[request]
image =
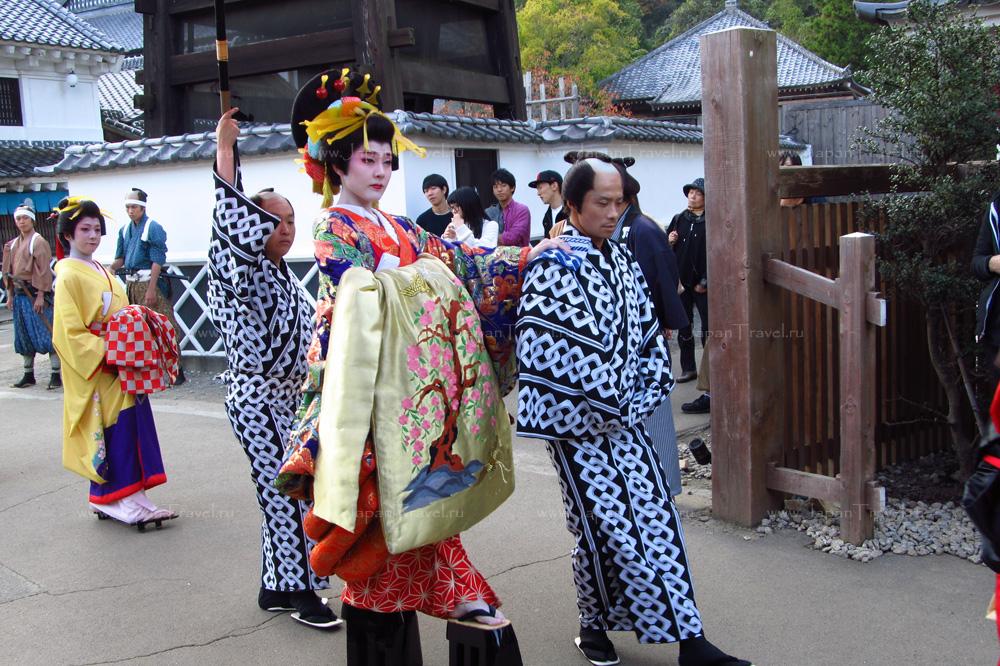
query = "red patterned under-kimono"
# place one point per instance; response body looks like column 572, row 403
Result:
column 436, row 578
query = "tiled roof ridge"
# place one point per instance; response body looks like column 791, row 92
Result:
column 64, row 16
column 276, row 138
column 670, row 43
column 77, row 6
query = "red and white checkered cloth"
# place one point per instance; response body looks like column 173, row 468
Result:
column 143, row 345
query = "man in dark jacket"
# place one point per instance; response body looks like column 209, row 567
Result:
column 686, row 233
column 986, row 266
column 648, row 243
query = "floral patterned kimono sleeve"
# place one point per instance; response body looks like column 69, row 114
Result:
column 493, row 278
column 338, row 247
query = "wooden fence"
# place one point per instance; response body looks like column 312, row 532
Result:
column 560, row 104
column 905, row 381
column 832, row 127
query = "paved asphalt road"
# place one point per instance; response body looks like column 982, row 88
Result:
column 77, row 591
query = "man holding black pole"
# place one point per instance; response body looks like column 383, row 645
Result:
column 142, row 251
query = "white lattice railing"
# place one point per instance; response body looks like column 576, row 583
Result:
column 197, row 335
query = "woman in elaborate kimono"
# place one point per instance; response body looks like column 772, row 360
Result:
column 263, row 316
column 108, row 435
column 593, row 367
column 350, row 147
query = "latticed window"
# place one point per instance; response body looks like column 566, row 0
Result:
column 10, row 102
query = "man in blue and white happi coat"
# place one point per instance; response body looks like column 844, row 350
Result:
column 593, row 365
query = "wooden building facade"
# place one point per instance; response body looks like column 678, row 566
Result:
column 418, row 50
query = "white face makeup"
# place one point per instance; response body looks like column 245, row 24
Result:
column 86, row 238
column 368, row 175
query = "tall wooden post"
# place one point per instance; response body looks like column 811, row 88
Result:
column 857, row 385
column 740, row 109
column 373, row 19
column 158, row 95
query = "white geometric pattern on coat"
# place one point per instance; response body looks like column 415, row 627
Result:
column 261, row 410
column 259, row 308
column 263, row 317
column 588, row 345
column 629, row 563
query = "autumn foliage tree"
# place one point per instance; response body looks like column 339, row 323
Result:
column 588, row 39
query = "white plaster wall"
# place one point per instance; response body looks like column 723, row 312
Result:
column 440, row 159
column 181, row 196
column 661, row 168
column 52, row 111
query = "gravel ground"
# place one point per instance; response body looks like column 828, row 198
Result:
column 923, row 514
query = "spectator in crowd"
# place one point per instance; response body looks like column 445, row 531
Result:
column 548, row 183
column 436, row 218
column 986, row 266
column 468, row 225
column 513, row 218
column 791, row 159
column 686, row 233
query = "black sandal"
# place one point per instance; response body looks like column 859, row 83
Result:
column 469, row 619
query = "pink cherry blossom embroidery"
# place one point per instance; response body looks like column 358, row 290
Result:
column 425, row 320
column 423, row 410
column 407, row 403
column 429, row 306
column 479, row 413
column 422, row 373
column 416, row 460
column 418, row 445
column 475, row 428
column 404, row 419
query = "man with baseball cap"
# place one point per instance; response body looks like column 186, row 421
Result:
column 28, row 279
column 548, row 183
column 142, row 251
column 686, row 233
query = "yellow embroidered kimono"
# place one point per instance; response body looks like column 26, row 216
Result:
column 409, row 344
column 107, row 437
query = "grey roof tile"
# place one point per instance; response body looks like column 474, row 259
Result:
column 670, row 75
column 267, row 138
column 124, row 27
column 117, row 91
column 18, row 159
column 46, row 23
column 886, row 12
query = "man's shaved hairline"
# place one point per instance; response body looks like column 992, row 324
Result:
column 262, row 198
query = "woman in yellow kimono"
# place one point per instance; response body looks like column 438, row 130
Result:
column 108, row 436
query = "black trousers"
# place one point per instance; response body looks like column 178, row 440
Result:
column 986, row 368
column 685, row 337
